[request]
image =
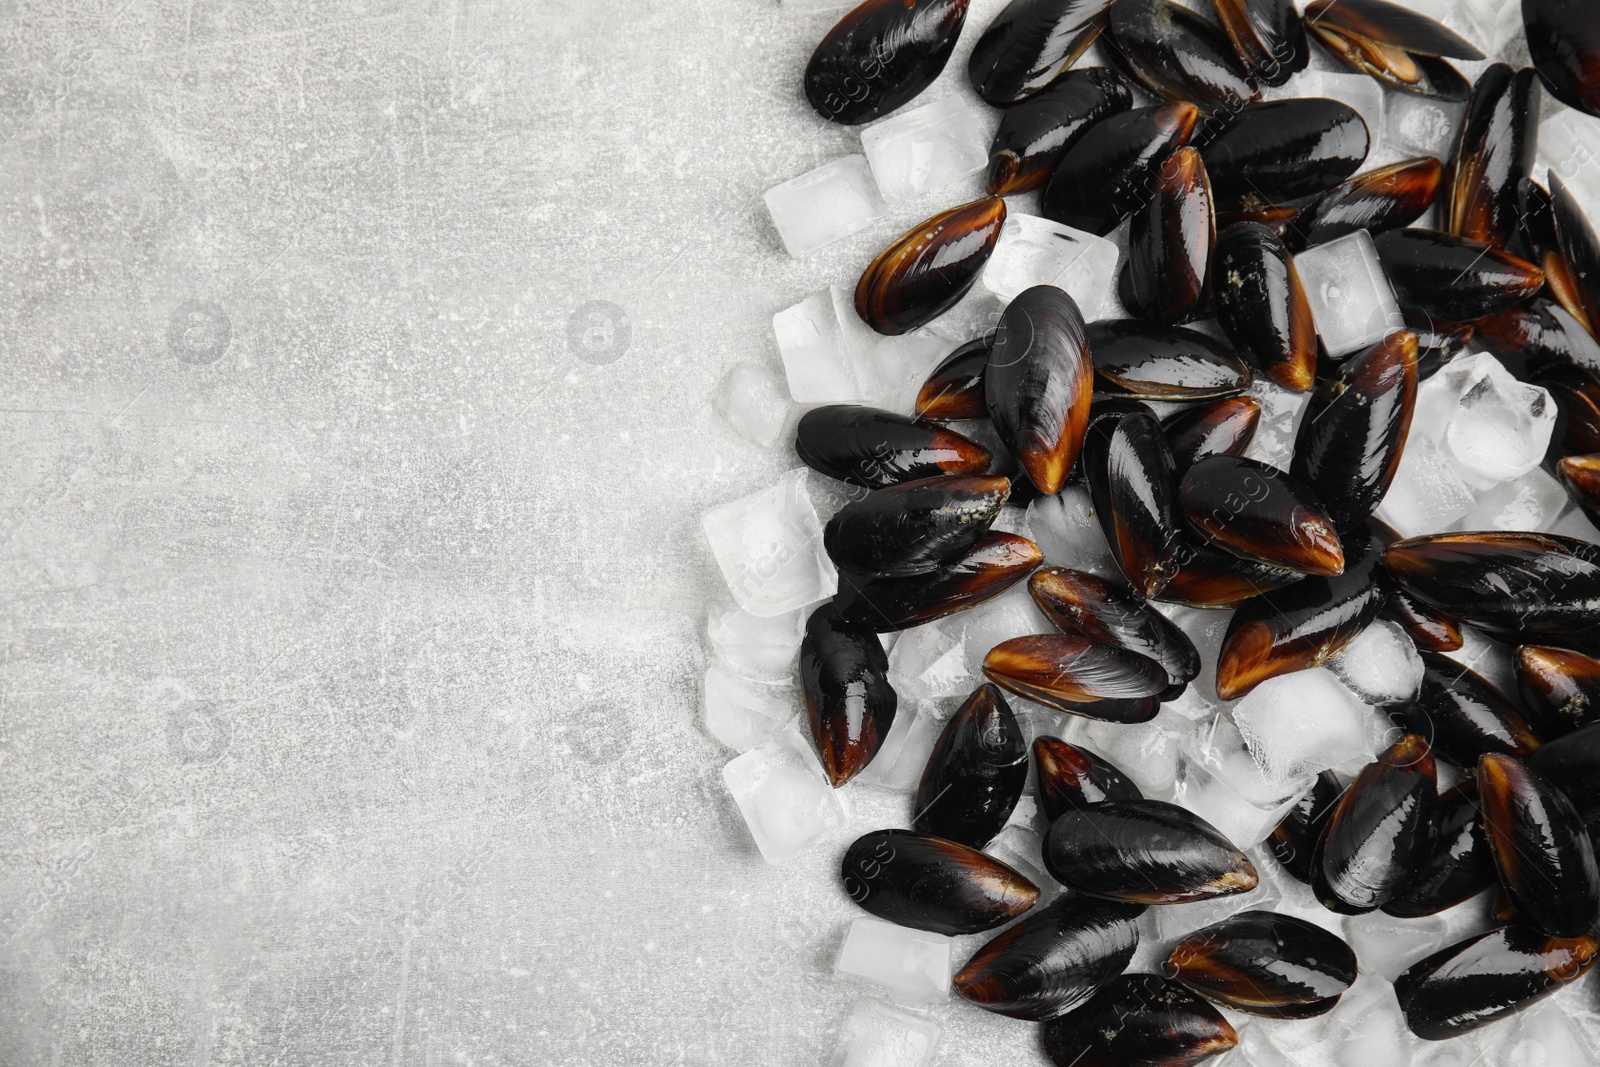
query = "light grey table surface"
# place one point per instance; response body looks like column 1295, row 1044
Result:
column 349, row 695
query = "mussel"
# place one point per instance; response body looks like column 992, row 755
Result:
column 1579, row 248
column 1437, row 342
column 1282, row 150
column 1381, row 199
column 1261, row 304
column 1106, row 173
column 1268, row 36
column 1456, row 279
column 844, row 676
column 1488, row 977
column 1070, row 777
column 1541, row 850
column 1264, row 963
column 1544, row 248
column 914, row 527
column 1560, row 688
column 1380, row 833
column 881, row 55
column 1039, row 383
column 1581, row 476
column 1429, row 629
column 991, row 566
column 1030, row 44
column 975, row 773
column 1140, row 360
column 1493, row 154
column 1139, row 1019
column 1572, row 763
column 928, row 269
column 1131, row 477
column 1035, row 134
column 1221, row 428
column 1293, row 839
column 1207, row 577
column 1541, row 336
column 928, row 883
column 1053, row 960
column 1258, row 512
column 954, row 389
column 1169, row 242
column 874, row 448
column 1403, row 49
column 1179, row 54
column 1145, row 852
column 1082, row 603
column 1564, row 43
column 1079, row 676
column 1459, row 867
column 1462, row 716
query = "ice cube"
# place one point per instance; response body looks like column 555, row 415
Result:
column 1529, row 503
column 1301, row 724
column 879, row 1035
column 1069, row 534
column 1359, row 91
column 1422, row 125
column 1371, row 1030
column 975, row 316
column 1569, row 146
column 1381, row 665
column 1576, row 524
column 1281, row 414
column 769, row 547
column 753, row 646
column 1206, row 628
column 1034, row 251
column 1501, row 426
column 741, row 712
column 1464, row 1051
column 913, row 965
column 1241, row 819
column 927, row 147
column 816, row 357
column 1542, row 1036
column 893, row 369
column 903, row 756
column 930, row 661
column 1148, row 752
column 1257, row 1049
column 754, row 402
column 1427, row 494
column 824, row 205
column 1350, row 296
column 784, row 798
column 1495, row 26
column 1011, row 614
column 1388, row 945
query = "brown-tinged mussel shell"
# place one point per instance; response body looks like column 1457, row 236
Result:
column 914, row 527
column 1488, row 977
column 1039, row 383
column 1380, row 833
column 1572, row 763
column 1519, row 585
column 1462, row 715
column 1261, row 304
column 1221, row 428
column 1541, row 850
column 1035, row 134
column 928, row 269
column 1069, row 777
column 1029, row 44
column 844, row 677
column 1084, row 604
column 1179, row 55
column 1139, row 360
column 1453, row 278
column 1493, row 154
column 1268, row 36
column 1579, row 247
column 1437, row 342
column 928, row 883
column 1544, row 247
column 873, row 448
column 1559, row 687
column 1302, row 625
column 1381, row 199
column 1401, row 48
column 1053, row 960
column 1581, row 477
column 1145, row 852
column 1564, row 44
column 1283, row 150
column 954, row 389
column 880, row 55
column 1460, row 865
column 1430, row 630
column 1169, row 243
column 996, row 563
column 1139, row 1020
column 1133, row 483
column 1293, row 840
column 1258, row 512
column 1106, row 174
column 1545, row 340
column 1079, row 676
column 1354, row 431
column 975, row 773
column 1264, row 963
column 1208, row 577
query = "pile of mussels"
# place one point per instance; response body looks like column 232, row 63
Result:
column 1296, row 552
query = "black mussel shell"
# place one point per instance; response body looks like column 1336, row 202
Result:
column 1381, row 199
column 1131, row 478
column 1262, row 962
column 1029, row 44
column 1544, row 248
column 844, row 676
column 1221, row 428
column 1541, row 850
column 1085, row 604
column 1488, row 977
column 1145, row 852
column 1283, row 150
column 1039, row 383
column 1512, row 584
column 1139, row 1020
column 1394, row 25
column 975, row 774
column 1076, row 675
column 1454, row 278
column 1579, row 248
column 1430, row 630
column 1572, row 763
column 1053, row 960
column 1179, row 54
column 1293, row 839
column 1437, row 342
column 1493, row 154
column 1258, row 512
column 1577, row 399
column 1262, row 306
column 929, row 268
column 1399, row 47
column 1543, row 337
column 874, row 448
column 1070, row 777
column 1560, row 689
column 954, row 390
column 1106, row 174
column 1277, row 218
column 1140, row 360
column 1208, row 577
column 1380, row 833
column 1459, row 867
column 914, row 527
column 1564, row 43
column 996, row 563
column 928, row 883
column 1302, row 625
column 1036, row 133
column 880, row 56
column 1169, row 243
column 1463, row 716
column 1267, row 35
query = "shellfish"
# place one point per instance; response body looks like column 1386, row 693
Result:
column 1039, row 382
column 1564, row 43
column 1380, row 833
column 928, row 269
column 1260, row 513
column 873, row 448
column 1132, row 480
column 1070, row 777
column 1081, row 603
column 1262, row 306
column 994, row 564
column 1179, row 54
column 1078, row 676
column 1264, row 963
column 1293, row 839
column 1035, row 134
column 1030, row 44
column 1138, row 360
column 928, row 883
column 844, row 677
column 1462, row 716
column 954, row 389
column 1454, row 278
column 1145, row 852
column 1277, row 152
column 1169, row 242
column 1221, row 428
column 1139, row 1019
column 1560, row 688
column 1488, row 977
column 1399, row 47
column 1493, row 154
column 975, row 773
column 1459, row 867
column 914, row 527
column 1544, row 857
column 1381, row 199
column 1105, row 174
column 881, row 55
column 1053, row 960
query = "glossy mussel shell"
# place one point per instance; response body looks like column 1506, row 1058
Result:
column 1070, row 777
column 1577, row 280
column 1261, row 305
column 1145, row 852
column 1397, row 46
column 1169, row 242
column 1082, row 603
column 1283, row 150
column 914, row 527
column 1053, row 960
column 1541, row 850
column 1207, row 577
column 1453, row 278
column 975, row 773
column 844, row 677
column 928, row 883
column 954, row 388
column 1493, row 154
column 880, row 55
column 1142, row 360
column 1564, row 43
column 1132, row 480
column 1265, row 964
column 929, row 268
column 1179, row 54
column 1380, row 199
column 1267, row 35
column 997, row 562
column 1030, row 44
column 1221, row 428
column 1039, row 382
column 1139, row 1019
column 1543, row 244
column 1429, row 629
column 1079, row 676
column 1381, row 831
column 1462, row 716
column 1488, row 977
column 874, row 448
column 1572, row 763
column 1034, row 134
column 1260, row 513
column 1106, row 173
column 1581, row 477
column 1560, row 688
column 1293, row 839
column 1459, row 867
column 1552, row 346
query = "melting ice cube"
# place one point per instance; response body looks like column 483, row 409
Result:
column 742, row 713
column 878, row 1035
column 1034, row 251
column 914, row 965
column 784, row 798
column 754, row 402
column 1351, row 299
column 1381, row 666
column 1302, row 723
column 769, row 547
column 752, row 646
column 926, row 148
column 824, row 205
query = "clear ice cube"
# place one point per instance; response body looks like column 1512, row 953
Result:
column 753, row 401
column 1533, row 502
column 903, row 756
column 1381, row 666
column 880, row 1035
column 930, row 661
column 1351, row 299
column 1371, row 1031
column 1242, row 820
column 784, row 798
column 1148, row 753
column 1427, row 494
column 1069, row 534
column 976, row 315
column 1035, row 251
column 825, row 205
column 753, row 646
column 1422, row 125
column 1302, row 724
column 1501, row 426
column 894, row 368
column 743, row 713
column 1281, row 413
column 913, row 965
column 1542, row 1036
column 1388, row 945
column 817, row 360
column 769, row 547
column 926, row 148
